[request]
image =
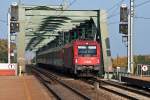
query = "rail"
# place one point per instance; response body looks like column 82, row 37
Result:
column 121, row 89
column 51, row 76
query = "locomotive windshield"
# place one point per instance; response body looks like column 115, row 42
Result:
column 87, row 50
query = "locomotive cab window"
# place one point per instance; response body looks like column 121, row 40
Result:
column 92, row 50
column 87, row 50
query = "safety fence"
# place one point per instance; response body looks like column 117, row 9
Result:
column 142, row 70
column 118, row 72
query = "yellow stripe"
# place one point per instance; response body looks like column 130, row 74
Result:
column 27, row 91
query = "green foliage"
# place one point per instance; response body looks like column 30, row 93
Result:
column 3, row 51
column 139, row 59
column 120, row 61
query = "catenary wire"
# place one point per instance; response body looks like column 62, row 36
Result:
column 143, row 3
column 139, row 17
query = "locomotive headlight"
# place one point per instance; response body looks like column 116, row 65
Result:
column 76, row 60
column 98, row 61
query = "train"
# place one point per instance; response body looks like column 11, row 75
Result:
column 80, row 57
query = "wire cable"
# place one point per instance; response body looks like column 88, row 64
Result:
column 115, row 5
column 111, row 23
column 142, row 17
column 71, row 3
column 3, row 21
column 113, row 14
column 143, row 3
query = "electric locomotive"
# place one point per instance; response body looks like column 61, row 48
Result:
column 80, row 57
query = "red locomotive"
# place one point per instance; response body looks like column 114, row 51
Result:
column 81, row 57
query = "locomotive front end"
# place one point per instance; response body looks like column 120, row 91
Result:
column 87, row 58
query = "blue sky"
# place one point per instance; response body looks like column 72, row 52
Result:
column 141, row 26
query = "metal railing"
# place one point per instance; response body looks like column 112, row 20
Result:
column 118, row 72
column 142, row 70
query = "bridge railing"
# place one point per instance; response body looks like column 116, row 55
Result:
column 118, row 72
column 142, row 70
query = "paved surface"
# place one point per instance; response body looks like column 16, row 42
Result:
column 141, row 78
column 22, row 88
column 138, row 81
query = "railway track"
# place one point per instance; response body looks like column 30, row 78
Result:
column 69, row 89
column 60, row 89
column 121, row 90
